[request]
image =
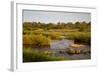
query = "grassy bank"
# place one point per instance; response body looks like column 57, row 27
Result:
column 30, row 55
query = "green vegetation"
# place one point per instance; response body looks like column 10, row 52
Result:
column 30, row 55
column 80, row 32
column 36, row 40
column 80, row 37
column 40, row 35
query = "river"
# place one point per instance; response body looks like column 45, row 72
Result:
column 59, row 46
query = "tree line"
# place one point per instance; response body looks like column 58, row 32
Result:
column 60, row 25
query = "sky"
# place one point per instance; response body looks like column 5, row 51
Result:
column 54, row 17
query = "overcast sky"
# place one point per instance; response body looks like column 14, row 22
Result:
column 54, row 17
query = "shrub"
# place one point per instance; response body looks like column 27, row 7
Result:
column 80, row 37
column 55, row 36
column 83, row 38
column 27, row 39
column 36, row 40
column 40, row 40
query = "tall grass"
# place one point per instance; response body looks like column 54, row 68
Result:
column 80, row 37
column 30, row 55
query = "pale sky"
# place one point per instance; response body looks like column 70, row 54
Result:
column 54, row 17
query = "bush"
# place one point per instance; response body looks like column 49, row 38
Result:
column 27, row 39
column 36, row 40
column 55, row 36
column 80, row 37
column 83, row 38
column 40, row 40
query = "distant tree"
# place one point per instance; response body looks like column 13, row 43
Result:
column 27, row 25
column 58, row 23
column 77, row 23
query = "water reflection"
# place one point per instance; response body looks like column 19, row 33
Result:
column 65, row 49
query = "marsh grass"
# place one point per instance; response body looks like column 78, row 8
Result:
column 40, row 35
column 30, row 55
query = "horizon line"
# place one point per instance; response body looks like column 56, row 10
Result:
column 57, row 22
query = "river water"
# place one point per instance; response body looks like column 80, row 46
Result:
column 61, row 45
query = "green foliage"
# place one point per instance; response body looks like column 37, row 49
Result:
column 40, row 34
column 36, row 40
column 55, row 36
column 27, row 39
column 40, row 40
column 30, row 55
column 47, row 26
column 80, row 37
